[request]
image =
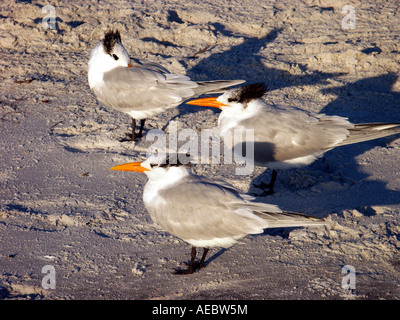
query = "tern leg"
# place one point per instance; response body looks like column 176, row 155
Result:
column 140, row 134
column 203, row 258
column 142, row 121
column 270, row 185
column 133, row 137
column 272, row 182
column 190, row 270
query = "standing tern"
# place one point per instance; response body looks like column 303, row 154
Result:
column 285, row 137
column 203, row 212
column 140, row 88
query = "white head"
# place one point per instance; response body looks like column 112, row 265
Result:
column 234, row 100
column 108, row 54
column 158, row 167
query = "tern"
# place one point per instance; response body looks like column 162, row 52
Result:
column 286, row 137
column 204, row 212
column 140, row 88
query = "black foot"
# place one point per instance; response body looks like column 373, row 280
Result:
column 267, row 189
column 196, row 267
column 192, row 264
column 267, row 193
column 134, row 136
column 183, row 271
column 128, row 137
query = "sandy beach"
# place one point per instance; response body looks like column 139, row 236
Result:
column 61, row 205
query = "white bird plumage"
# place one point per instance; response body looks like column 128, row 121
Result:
column 140, row 88
column 286, row 137
column 205, row 212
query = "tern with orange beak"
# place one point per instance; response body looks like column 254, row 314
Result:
column 285, row 137
column 140, row 88
column 204, row 212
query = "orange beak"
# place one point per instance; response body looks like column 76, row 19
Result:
column 207, row 102
column 129, row 66
column 132, row 166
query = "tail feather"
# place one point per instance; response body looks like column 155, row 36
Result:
column 290, row 219
column 370, row 131
column 216, row 86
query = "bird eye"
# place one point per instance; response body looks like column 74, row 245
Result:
column 232, row 100
column 115, row 57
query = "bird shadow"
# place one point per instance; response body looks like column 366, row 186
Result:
column 358, row 101
column 244, row 61
column 275, row 232
column 215, row 255
column 363, row 101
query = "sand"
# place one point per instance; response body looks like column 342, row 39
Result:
column 61, row 206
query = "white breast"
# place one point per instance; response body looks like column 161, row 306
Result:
column 159, row 179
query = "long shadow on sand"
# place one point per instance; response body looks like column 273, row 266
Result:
column 243, row 61
column 358, row 101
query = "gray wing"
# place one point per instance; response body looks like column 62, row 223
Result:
column 140, row 63
column 369, row 131
column 211, row 87
column 197, row 210
column 285, row 134
column 215, row 86
column 201, row 209
column 148, row 85
column 143, row 87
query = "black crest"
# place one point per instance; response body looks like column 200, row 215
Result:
column 111, row 38
column 174, row 160
column 251, row 92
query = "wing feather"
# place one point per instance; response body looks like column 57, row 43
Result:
column 143, row 88
column 284, row 134
column 199, row 210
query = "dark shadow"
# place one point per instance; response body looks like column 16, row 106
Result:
column 263, row 151
column 371, row 50
column 70, row 149
column 57, row 28
column 215, row 256
column 47, row 78
column 364, row 101
column 101, row 234
column 207, row 261
column 40, row 20
column 279, row 232
column 24, row 209
column 75, row 24
column 243, row 61
column 275, row 232
column 21, row 208
column 359, row 100
column 6, row 294
column 163, row 43
column 174, row 17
